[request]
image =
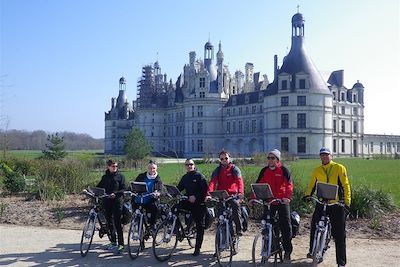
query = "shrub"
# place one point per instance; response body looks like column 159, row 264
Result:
column 14, row 183
column 368, row 202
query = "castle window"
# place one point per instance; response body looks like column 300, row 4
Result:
column 301, row 120
column 372, row 147
column 343, row 96
column 200, row 145
column 247, row 110
column 240, row 126
column 228, row 112
column 302, row 84
column 355, row 127
column 202, row 82
column 355, row 111
column 354, row 98
column 343, row 126
column 192, row 145
column 343, row 110
column 246, row 99
column 261, row 109
column 285, row 144
column 192, row 127
column 192, row 111
column 253, row 126
column 199, row 128
column 246, row 126
column 334, row 126
column 260, row 126
column 301, row 100
column 343, row 146
column 389, row 148
column 284, row 101
column 381, row 147
column 284, row 121
column 234, row 101
column 202, row 94
column 301, row 145
column 253, row 109
column 334, row 109
column 334, row 95
column 228, row 127
column 240, row 111
column 200, row 111
column 234, row 111
column 234, row 127
column 284, row 85
column 334, row 145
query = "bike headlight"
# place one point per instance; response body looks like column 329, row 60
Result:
column 263, row 222
column 321, row 223
column 221, row 217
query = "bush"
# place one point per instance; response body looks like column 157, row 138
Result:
column 367, row 202
column 14, row 183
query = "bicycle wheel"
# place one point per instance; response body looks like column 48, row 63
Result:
column 223, row 246
column 318, row 248
column 87, row 235
column 191, row 234
column 164, row 241
column 135, row 238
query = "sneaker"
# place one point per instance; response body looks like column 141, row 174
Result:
column 239, row 233
column 309, row 255
column 120, row 248
column 341, row 265
column 286, row 258
column 215, row 255
column 111, row 246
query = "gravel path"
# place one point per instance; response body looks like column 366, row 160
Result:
column 40, row 246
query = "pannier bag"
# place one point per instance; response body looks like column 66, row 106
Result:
column 126, row 213
column 209, row 218
column 295, row 220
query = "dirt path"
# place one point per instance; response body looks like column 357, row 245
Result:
column 39, row 246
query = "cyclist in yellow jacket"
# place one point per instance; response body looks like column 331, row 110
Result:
column 332, row 173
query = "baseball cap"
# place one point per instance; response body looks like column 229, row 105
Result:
column 325, row 150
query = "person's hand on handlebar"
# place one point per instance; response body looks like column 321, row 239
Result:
column 286, row 201
column 251, row 202
column 207, row 198
column 307, row 198
column 112, row 195
column 156, row 194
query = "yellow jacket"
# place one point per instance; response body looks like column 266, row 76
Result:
column 332, row 173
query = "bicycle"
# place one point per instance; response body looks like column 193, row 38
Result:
column 267, row 243
column 171, row 229
column 139, row 229
column 95, row 215
column 322, row 236
column 225, row 239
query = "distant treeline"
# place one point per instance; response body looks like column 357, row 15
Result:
column 37, row 140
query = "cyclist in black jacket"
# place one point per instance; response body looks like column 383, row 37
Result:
column 114, row 184
column 195, row 186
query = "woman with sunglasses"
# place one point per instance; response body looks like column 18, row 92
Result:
column 195, row 186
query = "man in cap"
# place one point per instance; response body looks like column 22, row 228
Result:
column 332, row 173
column 280, row 180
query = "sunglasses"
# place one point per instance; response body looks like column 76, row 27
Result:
column 114, row 166
column 271, row 158
column 226, row 158
column 189, row 164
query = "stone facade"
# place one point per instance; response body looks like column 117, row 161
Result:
column 208, row 109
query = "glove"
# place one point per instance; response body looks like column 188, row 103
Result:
column 306, row 199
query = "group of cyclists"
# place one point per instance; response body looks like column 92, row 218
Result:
column 227, row 176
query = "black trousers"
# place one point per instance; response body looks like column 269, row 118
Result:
column 112, row 213
column 150, row 208
column 284, row 224
column 337, row 216
column 198, row 212
column 236, row 213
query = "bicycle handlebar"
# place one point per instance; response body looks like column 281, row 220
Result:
column 91, row 194
column 234, row 196
column 325, row 202
column 264, row 202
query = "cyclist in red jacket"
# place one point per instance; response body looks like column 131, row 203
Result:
column 228, row 177
column 280, row 180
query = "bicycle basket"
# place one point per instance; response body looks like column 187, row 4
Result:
column 327, row 191
column 262, row 191
column 172, row 190
column 139, row 187
column 219, row 194
column 97, row 191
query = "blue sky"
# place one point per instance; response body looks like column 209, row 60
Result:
column 60, row 61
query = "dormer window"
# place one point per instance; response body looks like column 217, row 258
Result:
column 202, row 82
column 302, row 84
column 334, row 95
column 343, row 96
column 234, row 101
column 284, row 85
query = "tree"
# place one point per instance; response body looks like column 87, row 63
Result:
column 56, row 149
column 136, row 145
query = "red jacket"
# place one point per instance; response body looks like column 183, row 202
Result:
column 280, row 181
column 229, row 179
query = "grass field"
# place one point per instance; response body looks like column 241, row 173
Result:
column 33, row 154
column 379, row 174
